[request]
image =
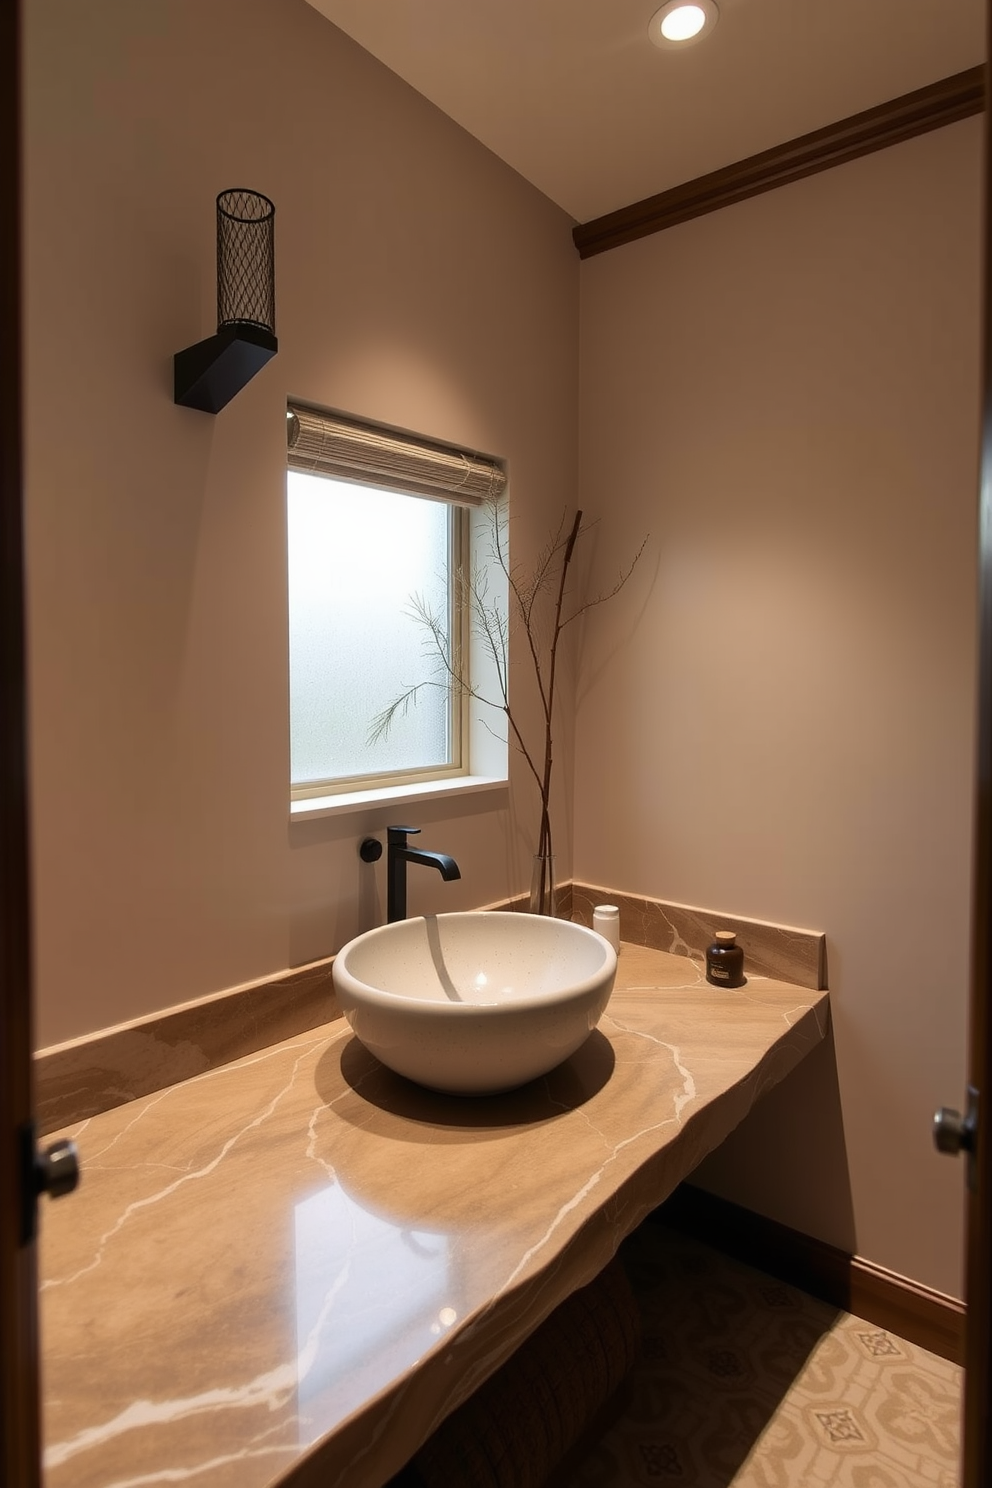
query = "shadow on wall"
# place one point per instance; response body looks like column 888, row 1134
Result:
column 794, row 1134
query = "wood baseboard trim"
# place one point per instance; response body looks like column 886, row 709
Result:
column 912, row 1311
column 907, row 1308
column 944, row 102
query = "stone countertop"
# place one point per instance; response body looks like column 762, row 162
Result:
column 291, row 1268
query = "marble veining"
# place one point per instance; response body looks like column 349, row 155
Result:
column 291, row 1267
column 115, row 1065
column 783, row 951
column 91, row 1074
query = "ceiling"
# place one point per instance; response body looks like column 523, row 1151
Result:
column 577, row 100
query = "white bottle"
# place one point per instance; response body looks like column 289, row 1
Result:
column 606, row 922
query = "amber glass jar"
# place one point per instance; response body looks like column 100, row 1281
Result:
column 725, row 960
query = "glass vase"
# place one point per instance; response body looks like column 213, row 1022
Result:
column 544, row 886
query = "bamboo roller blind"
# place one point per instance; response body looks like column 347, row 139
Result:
column 368, row 455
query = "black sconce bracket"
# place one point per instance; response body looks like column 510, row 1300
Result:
column 209, row 374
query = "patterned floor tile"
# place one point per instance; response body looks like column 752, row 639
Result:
column 744, row 1382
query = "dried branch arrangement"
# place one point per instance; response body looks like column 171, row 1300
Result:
column 541, row 608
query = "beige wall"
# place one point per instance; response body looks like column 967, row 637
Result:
column 777, row 718
column 420, row 282
column 774, row 718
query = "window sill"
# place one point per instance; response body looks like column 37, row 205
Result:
column 393, row 795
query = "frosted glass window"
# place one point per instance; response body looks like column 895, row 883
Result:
column 357, row 556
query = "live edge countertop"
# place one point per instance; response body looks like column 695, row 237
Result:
column 291, row 1268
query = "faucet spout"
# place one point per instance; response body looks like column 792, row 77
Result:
column 447, row 867
column 399, row 853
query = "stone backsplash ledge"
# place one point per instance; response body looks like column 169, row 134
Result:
column 79, row 1079
column 780, row 951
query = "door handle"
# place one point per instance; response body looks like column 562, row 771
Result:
column 954, row 1133
column 57, row 1169
column 54, row 1171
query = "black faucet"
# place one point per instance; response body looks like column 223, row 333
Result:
column 398, row 854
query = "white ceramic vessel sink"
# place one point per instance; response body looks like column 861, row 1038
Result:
column 475, row 1003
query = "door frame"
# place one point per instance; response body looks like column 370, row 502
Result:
column 20, row 1449
column 977, row 1446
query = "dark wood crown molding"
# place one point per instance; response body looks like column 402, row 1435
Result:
column 940, row 103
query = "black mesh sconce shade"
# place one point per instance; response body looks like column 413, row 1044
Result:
column 209, row 374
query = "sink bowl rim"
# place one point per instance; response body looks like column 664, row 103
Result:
column 573, row 990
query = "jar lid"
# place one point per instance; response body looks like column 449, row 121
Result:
column 726, row 935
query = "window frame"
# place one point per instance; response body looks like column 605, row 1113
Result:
column 479, row 742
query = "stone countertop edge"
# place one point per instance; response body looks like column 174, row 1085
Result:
column 114, row 1065
column 291, row 1268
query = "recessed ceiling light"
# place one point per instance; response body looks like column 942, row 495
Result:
column 681, row 22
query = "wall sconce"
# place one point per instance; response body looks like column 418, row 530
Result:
column 209, row 374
